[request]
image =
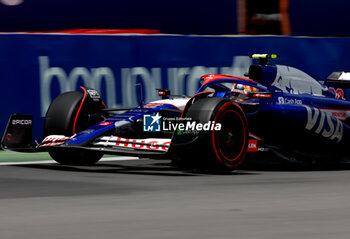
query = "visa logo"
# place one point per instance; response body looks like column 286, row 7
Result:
column 324, row 124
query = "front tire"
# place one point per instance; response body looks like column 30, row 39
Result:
column 75, row 157
column 61, row 119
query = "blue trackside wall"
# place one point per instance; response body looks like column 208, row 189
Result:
column 36, row 68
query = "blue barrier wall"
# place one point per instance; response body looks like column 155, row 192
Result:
column 36, row 68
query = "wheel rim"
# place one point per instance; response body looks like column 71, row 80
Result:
column 230, row 141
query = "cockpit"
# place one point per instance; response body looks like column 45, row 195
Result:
column 230, row 88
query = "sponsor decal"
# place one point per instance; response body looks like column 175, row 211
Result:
column 341, row 114
column 288, row 101
column 338, row 115
column 253, row 145
column 52, row 140
column 339, row 93
column 157, row 144
column 324, row 124
column 93, row 95
column 21, row 122
column 182, row 80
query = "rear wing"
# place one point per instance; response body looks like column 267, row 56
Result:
column 341, row 77
column 339, row 82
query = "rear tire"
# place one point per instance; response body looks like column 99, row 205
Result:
column 217, row 150
column 59, row 120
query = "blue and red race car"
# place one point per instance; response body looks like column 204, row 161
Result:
column 277, row 108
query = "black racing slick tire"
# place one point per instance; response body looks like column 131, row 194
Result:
column 218, row 150
column 61, row 114
column 61, row 119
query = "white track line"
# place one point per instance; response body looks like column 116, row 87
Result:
column 52, row 161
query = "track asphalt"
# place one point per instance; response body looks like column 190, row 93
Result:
column 15, row 158
column 152, row 199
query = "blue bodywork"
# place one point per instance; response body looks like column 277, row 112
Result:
column 302, row 118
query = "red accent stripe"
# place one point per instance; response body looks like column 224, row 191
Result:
column 215, row 139
column 100, row 31
column 81, row 104
column 213, row 77
column 334, row 109
column 173, row 106
column 103, row 103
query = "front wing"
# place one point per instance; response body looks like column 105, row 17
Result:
column 18, row 137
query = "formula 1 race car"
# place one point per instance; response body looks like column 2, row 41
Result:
column 278, row 109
